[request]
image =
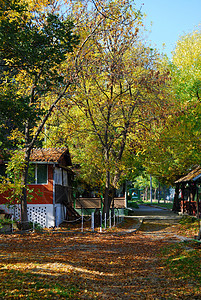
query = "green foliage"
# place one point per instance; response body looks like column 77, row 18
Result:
column 175, row 148
column 37, row 227
column 133, row 204
column 4, row 222
column 32, row 48
column 39, row 40
column 142, row 181
column 11, row 184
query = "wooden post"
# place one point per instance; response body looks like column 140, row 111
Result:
column 197, row 202
column 182, row 196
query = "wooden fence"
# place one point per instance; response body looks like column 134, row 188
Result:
column 119, row 202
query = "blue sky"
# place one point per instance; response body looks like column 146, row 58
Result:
column 170, row 20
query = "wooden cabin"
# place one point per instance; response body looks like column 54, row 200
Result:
column 50, row 179
column 188, row 193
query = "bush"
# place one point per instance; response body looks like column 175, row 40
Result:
column 133, row 205
column 4, row 222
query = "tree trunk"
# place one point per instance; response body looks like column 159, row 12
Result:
column 155, row 193
column 159, row 192
column 24, row 215
column 107, row 195
column 176, row 203
column 146, row 193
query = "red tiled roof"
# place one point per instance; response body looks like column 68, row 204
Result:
column 55, row 155
column 49, row 154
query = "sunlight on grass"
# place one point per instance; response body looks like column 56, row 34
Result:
column 183, row 260
column 21, row 284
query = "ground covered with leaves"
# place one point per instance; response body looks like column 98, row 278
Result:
column 115, row 264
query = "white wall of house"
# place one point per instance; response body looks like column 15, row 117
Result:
column 42, row 214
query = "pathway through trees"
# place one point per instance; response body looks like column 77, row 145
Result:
column 109, row 265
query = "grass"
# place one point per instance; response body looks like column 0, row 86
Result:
column 167, row 205
column 183, row 260
column 16, row 284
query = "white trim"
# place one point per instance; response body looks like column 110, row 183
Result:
column 41, row 162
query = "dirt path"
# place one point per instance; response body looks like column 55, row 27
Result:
column 108, row 265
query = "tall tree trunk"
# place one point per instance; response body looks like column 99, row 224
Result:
column 23, row 198
column 146, row 193
column 155, row 193
column 107, row 195
column 176, row 203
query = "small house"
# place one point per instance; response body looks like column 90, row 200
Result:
column 50, row 182
column 188, row 193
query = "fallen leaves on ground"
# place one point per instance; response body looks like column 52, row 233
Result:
column 69, row 264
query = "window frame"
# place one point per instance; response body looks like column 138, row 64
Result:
column 36, row 174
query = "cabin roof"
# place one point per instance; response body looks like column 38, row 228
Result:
column 50, row 155
column 194, row 175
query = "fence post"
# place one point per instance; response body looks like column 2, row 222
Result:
column 82, row 222
column 100, row 221
column 33, row 226
column 92, row 221
column 110, row 218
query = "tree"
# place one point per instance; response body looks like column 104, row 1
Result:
column 175, row 149
column 33, row 45
column 35, row 41
column 120, row 94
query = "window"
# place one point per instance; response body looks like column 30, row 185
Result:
column 58, row 176
column 61, row 177
column 41, row 174
column 38, row 174
column 65, row 178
